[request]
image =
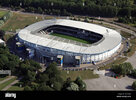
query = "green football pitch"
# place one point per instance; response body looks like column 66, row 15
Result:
column 71, row 38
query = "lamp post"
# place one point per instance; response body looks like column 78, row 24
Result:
column 83, row 4
column 52, row 6
column 116, row 8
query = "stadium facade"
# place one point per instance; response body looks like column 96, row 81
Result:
column 105, row 41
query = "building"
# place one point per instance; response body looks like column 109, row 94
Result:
column 105, row 41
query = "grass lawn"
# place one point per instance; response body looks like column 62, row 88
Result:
column 86, row 74
column 2, row 13
column 15, row 88
column 132, row 47
column 3, row 85
column 125, row 34
column 19, row 21
column 3, row 78
column 71, row 38
column 132, row 41
column 117, row 61
column 8, row 36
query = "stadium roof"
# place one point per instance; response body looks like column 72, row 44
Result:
column 111, row 37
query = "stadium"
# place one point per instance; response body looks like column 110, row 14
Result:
column 69, row 42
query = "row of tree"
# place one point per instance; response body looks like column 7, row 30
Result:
column 125, row 69
column 50, row 80
column 127, row 20
column 104, row 8
column 2, row 33
column 12, row 62
column 35, row 80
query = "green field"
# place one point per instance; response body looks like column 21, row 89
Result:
column 15, row 88
column 71, row 38
column 3, row 78
column 2, row 13
column 117, row 61
column 19, row 21
column 86, row 74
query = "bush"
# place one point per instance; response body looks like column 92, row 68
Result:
column 122, row 69
column 44, row 87
column 27, row 88
column 80, row 83
column 73, row 87
column 134, row 85
column 133, row 73
column 77, row 85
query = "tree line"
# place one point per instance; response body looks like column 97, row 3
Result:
column 103, row 8
column 32, row 79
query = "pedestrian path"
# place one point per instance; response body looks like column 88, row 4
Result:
column 9, row 78
column 11, row 84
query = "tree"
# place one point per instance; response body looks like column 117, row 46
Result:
column 125, row 12
column 3, row 61
column 39, row 10
column 2, row 33
column 27, row 88
column 43, row 78
column 44, row 87
column 134, row 85
column 80, row 83
column 133, row 73
column 34, row 64
column 57, row 86
column 72, row 87
column 34, row 86
column 30, row 76
column 52, row 70
column 66, row 84
column 128, row 67
column 122, row 69
column 23, row 68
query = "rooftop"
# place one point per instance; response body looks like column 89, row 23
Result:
column 111, row 37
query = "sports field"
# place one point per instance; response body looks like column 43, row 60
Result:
column 71, row 38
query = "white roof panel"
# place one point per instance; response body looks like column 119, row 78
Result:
column 112, row 37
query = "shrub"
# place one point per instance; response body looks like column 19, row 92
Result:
column 73, row 87
column 133, row 73
column 122, row 69
column 80, row 83
column 134, row 85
